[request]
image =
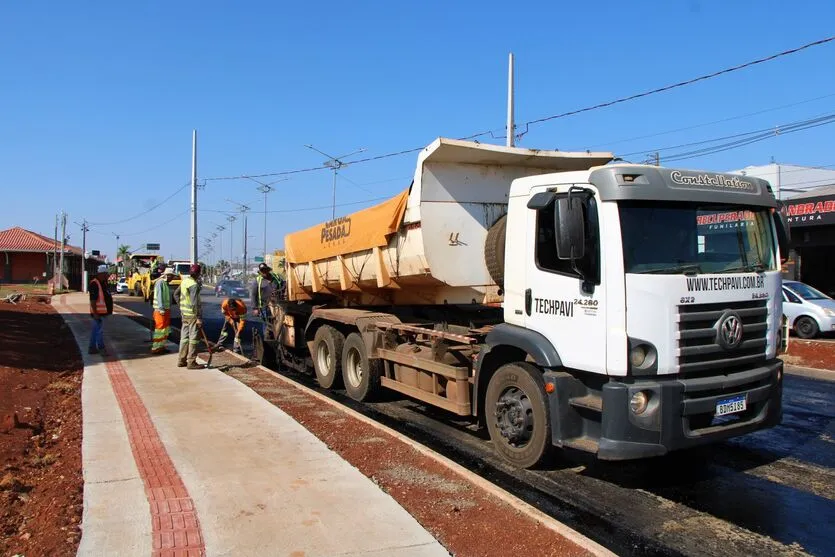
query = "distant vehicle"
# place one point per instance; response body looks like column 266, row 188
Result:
column 181, row 269
column 122, row 286
column 808, row 310
column 233, row 288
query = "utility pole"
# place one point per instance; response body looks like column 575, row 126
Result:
column 657, row 159
column 335, row 163
column 243, row 209
column 84, row 230
column 511, row 128
column 231, row 219
column 265, row 189
column 219, row 232
column 193, row 197
column 55, row 251
column 63, row 247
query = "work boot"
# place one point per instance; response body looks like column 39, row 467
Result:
column 194, row 365
column 181, row 363
column 92, row 350
column 161, row 351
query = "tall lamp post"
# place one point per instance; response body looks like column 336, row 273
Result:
column 265, row 189
column 335, row 163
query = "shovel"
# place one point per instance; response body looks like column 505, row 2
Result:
column 208, row 346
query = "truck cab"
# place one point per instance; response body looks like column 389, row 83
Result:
column 659, row 289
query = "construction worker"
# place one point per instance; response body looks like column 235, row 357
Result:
column 162, row 312
column 101, row 305
column 187, row 297
column 261, row 290
column 234, row 314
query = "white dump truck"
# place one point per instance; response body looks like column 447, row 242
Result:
column 563, row 300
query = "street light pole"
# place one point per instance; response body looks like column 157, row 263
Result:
column 265, row 189
column 243, row 209
column 335, row 163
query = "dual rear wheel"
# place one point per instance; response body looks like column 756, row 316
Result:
column 339, row 360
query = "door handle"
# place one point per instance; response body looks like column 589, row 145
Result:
column 528, row 301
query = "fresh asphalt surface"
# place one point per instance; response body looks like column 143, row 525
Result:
column 766, row 493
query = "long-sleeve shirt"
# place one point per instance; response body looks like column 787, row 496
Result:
column 194, row 296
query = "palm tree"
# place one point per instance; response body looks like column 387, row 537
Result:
column 123, row 253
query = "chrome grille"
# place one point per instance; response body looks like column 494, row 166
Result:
column 698, row 347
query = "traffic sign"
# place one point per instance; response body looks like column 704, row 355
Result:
column 259, row 259
column 152, row 247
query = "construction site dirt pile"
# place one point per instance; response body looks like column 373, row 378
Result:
column 40, row 432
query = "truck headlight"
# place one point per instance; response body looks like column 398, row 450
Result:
column 639, row 402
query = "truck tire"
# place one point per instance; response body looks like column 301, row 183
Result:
column 518, row 416
column 806, row 327
column 327, row 356
column 360, row 375
column 494, row 248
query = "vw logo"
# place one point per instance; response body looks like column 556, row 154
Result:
column 729, row 330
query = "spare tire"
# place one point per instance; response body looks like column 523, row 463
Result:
column 494, row 248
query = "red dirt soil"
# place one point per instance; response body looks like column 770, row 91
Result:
column 40, row 432
column 461, row 515
column 811, row 353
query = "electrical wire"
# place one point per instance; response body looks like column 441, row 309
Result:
column 143, row 212
column 714, row 122
column 563, row 114
column 160, row 225
column 740, row 139
column 300, row 209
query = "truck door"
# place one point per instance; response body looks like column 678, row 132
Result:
column 557, row 304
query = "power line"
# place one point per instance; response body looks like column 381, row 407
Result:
column 705, row 124
column 684, row 83
column 748, row 141
column 303, row 208
column 143, row 212
column 160, row 225
column 564, row 114
column 740, row 139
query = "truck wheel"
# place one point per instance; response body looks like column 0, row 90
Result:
column 327, row 354
column 137, row 290
column 130, row 292
column 361, row 375
column 517, row 415
column 806, row 327
column 494, row 248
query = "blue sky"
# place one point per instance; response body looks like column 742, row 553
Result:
column 98, row 99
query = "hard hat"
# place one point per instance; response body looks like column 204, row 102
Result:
column 169, row 271
column 194, row 269
column 102, row 269
column 264, row 267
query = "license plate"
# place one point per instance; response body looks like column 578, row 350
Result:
column 731, row 405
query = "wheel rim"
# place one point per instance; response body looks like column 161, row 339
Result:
column 354, row 369
column 323, row 357
column 805, row 327
column 514, row 417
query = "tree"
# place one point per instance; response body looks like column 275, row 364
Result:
column 123, row 253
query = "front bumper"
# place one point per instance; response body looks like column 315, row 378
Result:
column 680, row 413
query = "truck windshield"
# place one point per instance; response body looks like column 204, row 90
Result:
column 687, row 238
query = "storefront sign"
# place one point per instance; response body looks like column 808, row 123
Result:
column 810, row 211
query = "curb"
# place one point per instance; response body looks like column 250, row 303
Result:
column 530, row 511
column 810, row 372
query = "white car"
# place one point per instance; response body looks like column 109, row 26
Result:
column 121, row 286
column 809, row 311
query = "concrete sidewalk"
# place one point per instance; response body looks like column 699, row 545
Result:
column 196, row 462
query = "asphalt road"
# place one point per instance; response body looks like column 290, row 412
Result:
column 212, row 317
column 766, row 493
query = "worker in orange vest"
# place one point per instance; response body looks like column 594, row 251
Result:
column 101, row 305
column 234, row 314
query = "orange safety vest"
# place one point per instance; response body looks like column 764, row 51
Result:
column 101, row 306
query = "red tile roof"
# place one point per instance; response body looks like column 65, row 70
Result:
column 18, row 239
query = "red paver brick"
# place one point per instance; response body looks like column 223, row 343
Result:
column 175, row 525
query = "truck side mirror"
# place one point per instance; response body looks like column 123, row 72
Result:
column 783, row 235
column 569, row 227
